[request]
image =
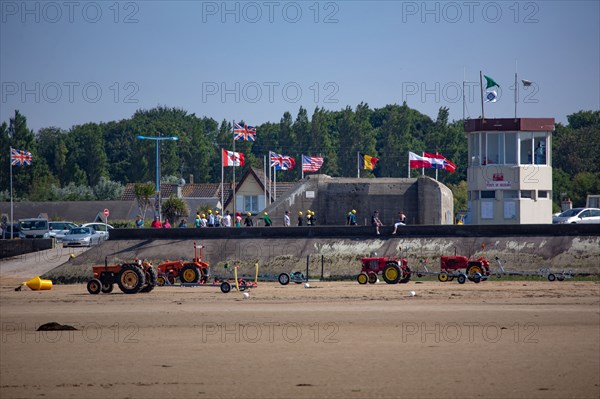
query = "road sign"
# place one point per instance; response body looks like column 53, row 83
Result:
column 106, row 213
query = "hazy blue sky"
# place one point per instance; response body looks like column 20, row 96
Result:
column 66, row 63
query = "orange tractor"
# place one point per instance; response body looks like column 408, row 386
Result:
column 138, row 276
column 393, row 270
column 194, row 272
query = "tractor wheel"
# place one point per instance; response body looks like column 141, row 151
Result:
column 391, row 273
column 189, row 274
column 284, row 279
column 94, row 286
column 474, row 269
column 225, row 287
column 151, row 280
column 362, row 278
column 131, row 279
column 476, row 278
column 443, row 277
column 450, row 278
column 551, row 277
column 107, row 287
column 242, row 285
column 560, row 277
column 405, row 276
column 372, row 278
column 462, row 279
column 161, row 281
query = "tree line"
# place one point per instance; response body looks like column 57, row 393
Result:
column 95, row 160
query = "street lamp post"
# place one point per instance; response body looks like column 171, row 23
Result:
column 158, row 139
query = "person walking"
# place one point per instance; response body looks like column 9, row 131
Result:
column 238, row 219
column 198, row 220
column 300, row 218
column 139, row 222
column 203, row 221
column 286, row 219
column 248, row 222
column 227, row 219
column 166, row 224
column 376, row 222
column 218, row 219
column 400, row 221
column 211, row 218
column 352, row 218
column 267, row 219
column 182, row 224
column 156, row 223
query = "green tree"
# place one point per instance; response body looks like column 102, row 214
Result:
column 143, row 192
column 174, row 208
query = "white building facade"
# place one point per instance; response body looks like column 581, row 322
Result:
column 509, row 177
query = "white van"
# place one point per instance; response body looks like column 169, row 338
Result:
column 34, row 228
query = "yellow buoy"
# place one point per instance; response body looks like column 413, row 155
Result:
column 38, row 284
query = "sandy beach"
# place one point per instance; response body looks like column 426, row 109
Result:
column 497, row 339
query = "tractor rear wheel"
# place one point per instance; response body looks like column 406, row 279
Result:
column 94, row 286
column 131, row 279
column 473, row 269
column 151, row 280
column 372, row 278
column 406, row 274
column 189, row 274
column 391, row 273
column 362, row 278
column 443, row 277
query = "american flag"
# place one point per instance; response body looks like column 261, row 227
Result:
column 246, row 133
column 311, row 164
column 281, row 162
column 19, row 158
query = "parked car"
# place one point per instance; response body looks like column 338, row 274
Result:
column 102, row 228
column 81, row 237
column 578, row 215
column 59, row 229
column 34, row 228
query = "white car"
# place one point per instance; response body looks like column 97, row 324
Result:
column 59, row 229
column 101, row 228
column 81, row 237
column 578, row 215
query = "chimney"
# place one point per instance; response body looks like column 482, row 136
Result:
column 191, row 179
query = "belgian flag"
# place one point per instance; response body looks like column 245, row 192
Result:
column 368, row 162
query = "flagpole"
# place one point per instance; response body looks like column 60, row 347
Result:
column 408, row 175
column 423, row 168
column 516, row 90
column 274, row 184
column 302, row 159
column 234, row 204
column 358, row 164
column 481, row 84
column 270, row 181
column 436, row 169
column 12, row 220
column 222, row 184
column 463, row 90
column 265, row 177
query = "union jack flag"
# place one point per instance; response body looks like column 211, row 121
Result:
column 246, row 133
column 281, row 162
column 311, row 164
column 19, row 158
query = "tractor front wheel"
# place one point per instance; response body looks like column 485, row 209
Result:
column 362, row 278
column 372, row 278
column 462, row 279
column 161, row 281
column 107, row 287
column 151, row 280
column 94, row 286
column 391, row 273
column 189, row 274
column 443, row 277
column 131, row 279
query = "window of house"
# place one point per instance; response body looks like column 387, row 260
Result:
column 488, row 194
column 543, row 194
column 540, row 146
column 510, row 194
column 510, row 148
column 526, row 194
column 474, row 147
column 526, row 148
column 495, row 148
column 251, row 203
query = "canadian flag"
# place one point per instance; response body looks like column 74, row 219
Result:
column 231, row 158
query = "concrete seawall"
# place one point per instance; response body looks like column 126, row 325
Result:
column 281, row 249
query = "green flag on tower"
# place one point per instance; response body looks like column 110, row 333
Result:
column 490, row 82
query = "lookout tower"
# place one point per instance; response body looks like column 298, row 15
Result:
column 509, row 177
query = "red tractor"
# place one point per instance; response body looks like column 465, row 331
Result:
column 194, row 272
column 138, row 276
column 474, row 270
column 393, row 270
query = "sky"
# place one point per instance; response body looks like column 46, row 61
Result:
column 68, row 63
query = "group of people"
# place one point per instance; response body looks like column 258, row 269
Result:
column 375, row 221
